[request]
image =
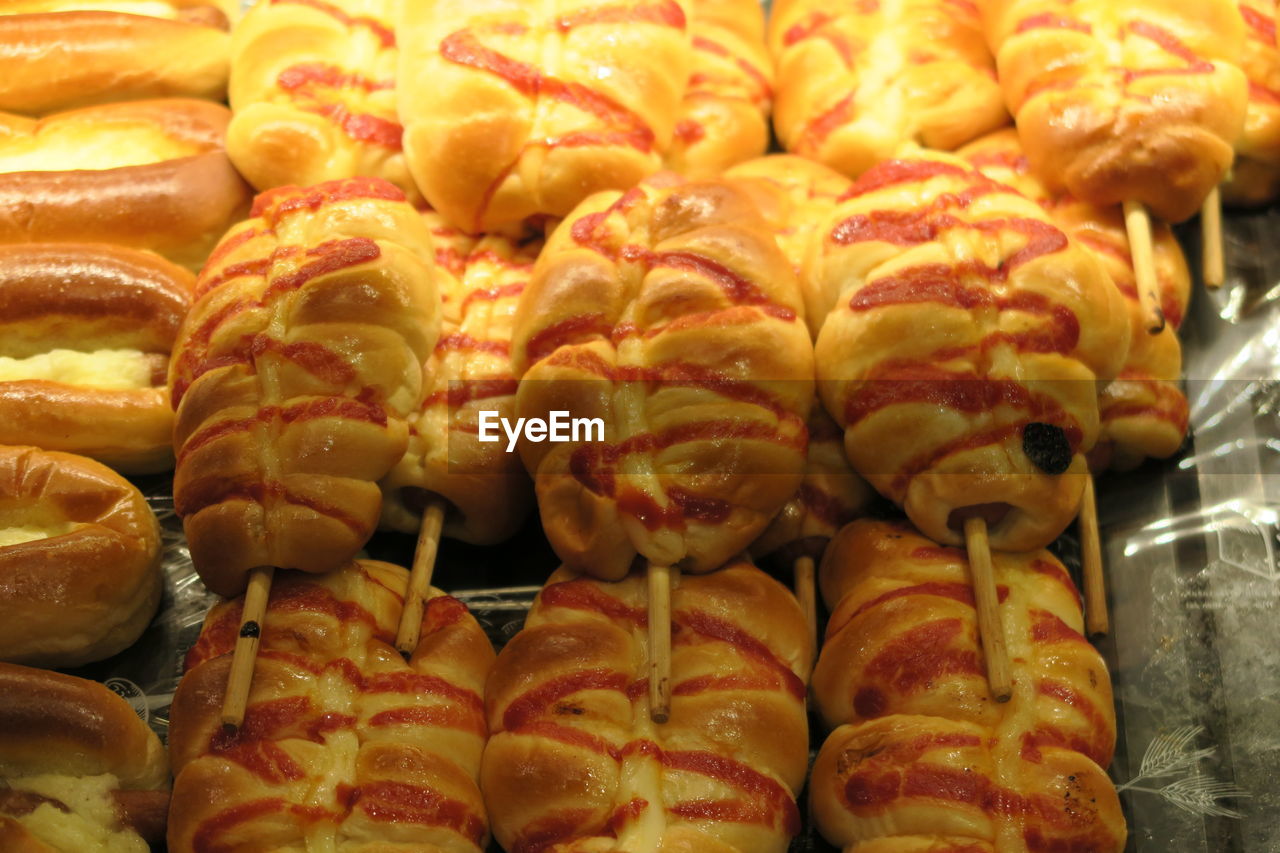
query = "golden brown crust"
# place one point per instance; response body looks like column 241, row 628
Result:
column 146, row 205
column 669, row 313
column 339, row 726
column 56, row 296
column 55, row 723
column 856, row 80
column 994, row 400
column 1143, row 410
column 59, row 58
column 512, row 110
column 724, row 117
column 1255, row 176
column 574, row 762
column 486, row 489
column 313, row 89
column 298, row 365
column 922, row 749
column 89, row 589
column 1122, row 103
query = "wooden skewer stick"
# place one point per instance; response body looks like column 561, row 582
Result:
column 1215, row 268
column 424, row 566
column 246, row 652
column 1137, row 223
column 990, row 625
column 806, row 594
column 1095, row 589
column 660, row 642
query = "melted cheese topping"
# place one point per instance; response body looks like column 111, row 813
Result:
column 91, row 821
column 110, row 369
column 30, row 533
column 64, row 145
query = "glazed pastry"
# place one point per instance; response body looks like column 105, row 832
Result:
column 296, row 372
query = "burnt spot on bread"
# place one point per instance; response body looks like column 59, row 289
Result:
column 250, row 629
column 1047, row 447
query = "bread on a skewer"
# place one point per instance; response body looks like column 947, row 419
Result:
column 344, row 743
column 297, row 369
column 573, row 762
column 921, row 759
column 856, row 80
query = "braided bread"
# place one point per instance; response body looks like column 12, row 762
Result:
column 345, row 745
column 1143, row 410
column 669, row 313
column 516, row 109
column 61, row 54
column 856, row 80
column 313, row 89
column 1123, row 102
column 989, row 405
column 922, row 753
column 298, row 365
column 487, row 490
column 724, row 118
column 1255, row 175
column 574, row 761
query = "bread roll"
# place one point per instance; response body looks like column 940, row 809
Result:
column 313, row 89
column 1255, row 176
column 486, row 489
column 296, row 370
column 830, row 496
column 924, row 759
column 668, row 313
column 574, row 761
column 81, row 771
column 79, row 559
column 1143, row 410
column 724, row 117
column 964, row 339
column 514, row 109
column 125, row 174
column 856, row 80
column 60, row 55
column 345, row 744
column 1123, row 102
column 85, row 336
column 796, row 196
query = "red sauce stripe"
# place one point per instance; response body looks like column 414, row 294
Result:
column 1262, row 25
column 400, row 802
column 533, row 704
column 384, row 34
column 745, row 644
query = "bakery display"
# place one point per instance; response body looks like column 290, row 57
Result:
column 724, row 117
column 1124, row 103
column 668, row 313
column 61, row 54
column 512, row 110
column 511, row 254
column 123, row 174
column 79, row 559
column 921, row 758
column 345, row 744
column 313, row 90
column 1143, row 411
column 85, row 336
column 1254, row 178
column 80, row 770
column 988, row 409
column 573, row 760
column 483, row 490
column 856, row 80
column 294, row 376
